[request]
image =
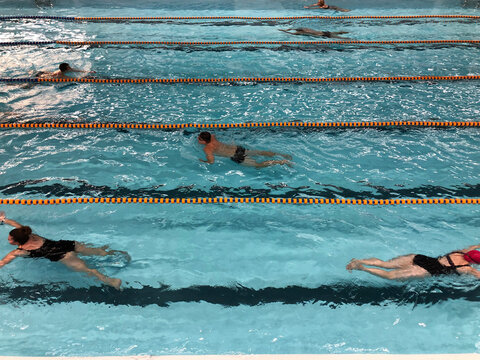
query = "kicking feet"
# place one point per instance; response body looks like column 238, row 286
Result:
column 116, row 283
column 354, row 264
column 122, row 253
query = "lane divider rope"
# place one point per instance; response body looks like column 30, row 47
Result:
column 245, row 79
column 203, row 200
column 110, row 18
column 145, row 126
column 336, row 42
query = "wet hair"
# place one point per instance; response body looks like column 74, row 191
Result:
column 63, row 67
column 205, row 136
column 21, row 234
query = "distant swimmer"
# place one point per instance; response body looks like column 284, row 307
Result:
column 420, row 266
column 311, row 32
column 322, row 6
column 64, row 251
column 61, row 73
column 237, row 153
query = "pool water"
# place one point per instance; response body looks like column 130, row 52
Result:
column 239, row 278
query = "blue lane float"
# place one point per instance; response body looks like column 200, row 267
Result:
column 19, row 80
column 66, row 18
column 20, row 43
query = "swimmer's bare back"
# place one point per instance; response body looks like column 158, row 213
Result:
column 50, row 75
column 312, row 32
column 224, row 150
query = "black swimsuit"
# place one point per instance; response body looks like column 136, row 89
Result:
column 52, row 250
column 434, row 267
column 239, row 155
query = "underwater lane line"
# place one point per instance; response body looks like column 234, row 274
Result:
column 248, row 200
column 245, row 80
column 331, row 295
column 290, row 124
column 70, row 188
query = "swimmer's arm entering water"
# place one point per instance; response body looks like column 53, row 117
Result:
column 469, row 270
column 209, row 155
column 470, row 248
column 79, row 70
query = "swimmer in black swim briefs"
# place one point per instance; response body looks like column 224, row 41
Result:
column 419, row 266
column 311, row 32
column 238, row 154
column 64, row 251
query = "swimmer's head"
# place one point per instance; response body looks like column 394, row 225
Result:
column 64, row 67
column 205, row 137
column 472, row 257
column 20, row 235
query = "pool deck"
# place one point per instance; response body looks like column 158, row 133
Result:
column 267, row 357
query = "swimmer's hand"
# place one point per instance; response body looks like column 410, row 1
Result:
column 205, row 161
column 2, row 217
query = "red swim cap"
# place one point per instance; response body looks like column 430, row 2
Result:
column 472, row 256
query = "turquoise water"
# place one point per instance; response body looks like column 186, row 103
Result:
column 239, row 278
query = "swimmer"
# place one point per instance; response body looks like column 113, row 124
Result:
column 420, row 266
column 321, row 5
column 237, row 154
column 61, row 73
column 64, row 251
column 311, row 32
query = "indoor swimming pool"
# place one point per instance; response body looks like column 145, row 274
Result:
column 239, row 278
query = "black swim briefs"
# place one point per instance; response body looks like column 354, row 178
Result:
column 239, row 155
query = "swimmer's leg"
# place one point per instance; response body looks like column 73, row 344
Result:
column 410, row 273
column 289, row 31
column 73, row 262
column 395, row 263
column 335, row 35
column 101, row 251
column 251, row 162
column 266, row 153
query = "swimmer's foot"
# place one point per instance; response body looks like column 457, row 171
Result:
column 116, row 283
column 125, row 254
column 354, row 264
column 286, row 156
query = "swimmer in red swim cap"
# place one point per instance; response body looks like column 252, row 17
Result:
column 419, row 266
column 472, row 256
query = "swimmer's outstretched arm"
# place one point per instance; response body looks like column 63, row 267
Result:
column 471, row 271
column 470, row 248
column 78, row 70
column 10, row 222
column 11, row 256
